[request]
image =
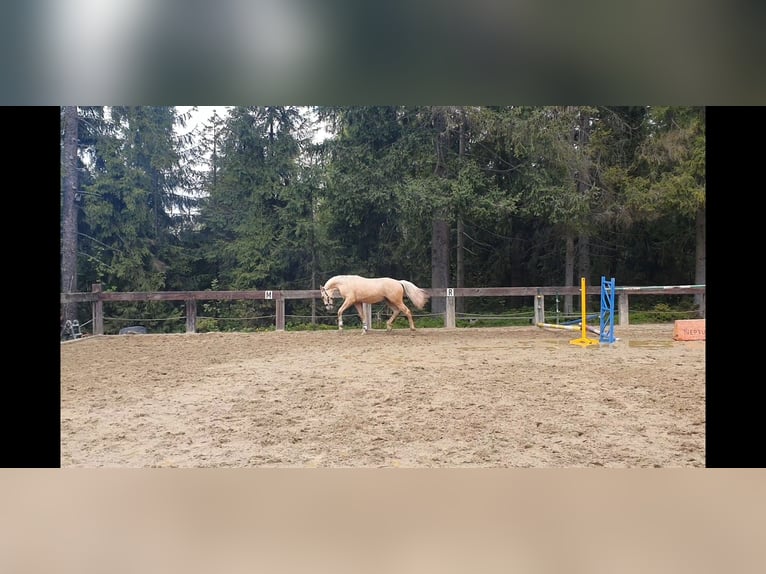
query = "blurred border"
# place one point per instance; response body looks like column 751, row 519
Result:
column 547, row 521
column 80, row 52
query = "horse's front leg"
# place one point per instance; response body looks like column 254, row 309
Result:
column 342, row 308
column 362, row 316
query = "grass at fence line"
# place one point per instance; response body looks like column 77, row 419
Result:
column 655, row 314
column 660, row 316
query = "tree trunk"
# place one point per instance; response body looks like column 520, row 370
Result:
column 459, row 259
column 583, row 260
column 583, row 183
column 459, row 265
column 440, row 227
column 439, row 260
column 699, row 263
column 69, row 211
column 569, row 262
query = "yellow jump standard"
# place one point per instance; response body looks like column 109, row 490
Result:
column 583, row 341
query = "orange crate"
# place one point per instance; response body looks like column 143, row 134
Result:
column 689, row 330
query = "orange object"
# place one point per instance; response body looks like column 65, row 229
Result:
column 689, row 330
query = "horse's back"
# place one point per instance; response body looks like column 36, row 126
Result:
column 358, row 280
column 366, row 289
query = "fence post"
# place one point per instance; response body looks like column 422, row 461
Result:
column 280, row 311
column 539, row 308
column 449, row 309
column 623, row 310
column 191, row 315
column 97, row 309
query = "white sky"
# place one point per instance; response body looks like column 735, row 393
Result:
column 201, row 115
column 204, row 113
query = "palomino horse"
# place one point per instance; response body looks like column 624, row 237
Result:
column 357, row 290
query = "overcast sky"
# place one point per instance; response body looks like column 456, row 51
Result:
column 200, row 115
column 204, row 113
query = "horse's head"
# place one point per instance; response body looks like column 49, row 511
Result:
column 326, row 298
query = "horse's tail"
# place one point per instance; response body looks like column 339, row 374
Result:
column 418, row 297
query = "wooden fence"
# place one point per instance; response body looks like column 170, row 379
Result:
column 97, row 298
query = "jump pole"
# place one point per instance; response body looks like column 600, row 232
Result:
column 606, row 317
column 583, row 341
column 566, row 327
column 559, row 326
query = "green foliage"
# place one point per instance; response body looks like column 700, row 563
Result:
column 131, row 184
column 272, row 210
column 672, row 163
column 207, row 325
column 661, row 313
column 156, row 316
column 234, row 315
column 304, row 326
column 258, row 218
column 494, row 321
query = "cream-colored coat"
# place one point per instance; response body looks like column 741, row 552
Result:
column 356, row 290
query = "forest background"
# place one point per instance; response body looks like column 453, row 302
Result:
column 463, row 196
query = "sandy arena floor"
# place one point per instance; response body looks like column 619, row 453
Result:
column 436, row 398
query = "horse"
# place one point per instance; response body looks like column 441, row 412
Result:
column 357, row 290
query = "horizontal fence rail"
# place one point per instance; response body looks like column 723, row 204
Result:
column 97, row 298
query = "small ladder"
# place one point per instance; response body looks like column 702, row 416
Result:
column 72, row 328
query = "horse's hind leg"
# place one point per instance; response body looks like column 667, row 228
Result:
column 390, row 322
column 400, row 308
column 407, row 312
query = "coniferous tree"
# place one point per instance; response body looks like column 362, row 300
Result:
column 69, row 170
column 359, row 199
column 672, row 185
column 135, row 203
column 442, row 195
column 137, row 198
column 249, row 215
column 81, row 126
